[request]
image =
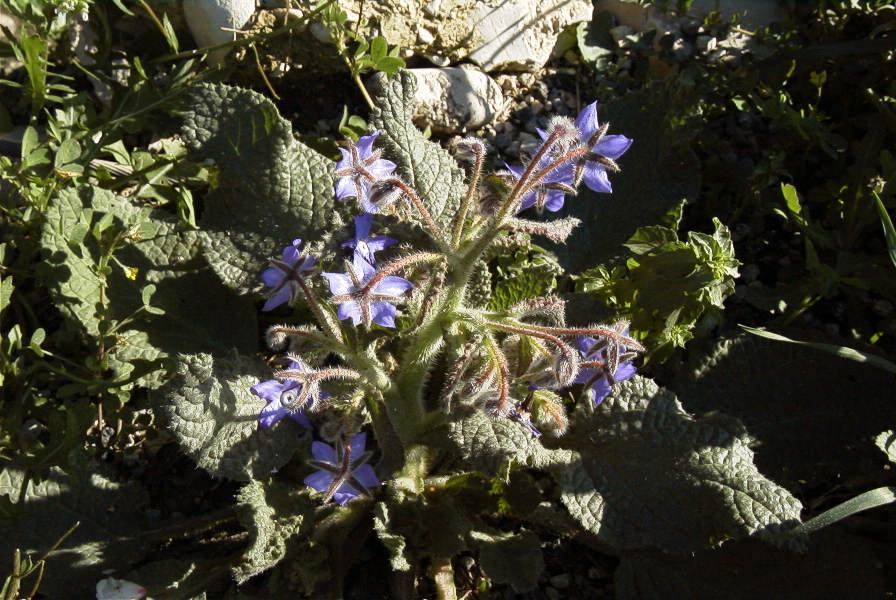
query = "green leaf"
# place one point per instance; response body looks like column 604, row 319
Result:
column 271, row 189
column 791, row 199
column 416, row 527
column 69, row 152
column 6, row 288
column 273, row 513
column 107, row 538
column 489, row 443
column 199, row 313
column 424, row 165
column 647, row 474
column 525, row 284
column 791, row 397
column 513, row 559
column 841, row 351
column 594, row 39
column 214, row 417
column 886, row 441
column 887, row 224
column 394, row 542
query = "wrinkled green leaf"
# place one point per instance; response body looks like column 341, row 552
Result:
column 490, row 443
column 199, row 313
column 272, row 513
column 424, row 165
column 647, row 474
column 792, row 416
column 270, row 189
column 214, row 417
column 514, row 559
column 394, row 542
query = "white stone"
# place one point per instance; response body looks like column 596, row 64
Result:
column 439, row 60
column 520, row 34
column 425, row 36
column 455, row 100
column 118, row 589
column 321, row 33
column 619, row 33
column 206, row 18
column 432, row 8
column 498, row 35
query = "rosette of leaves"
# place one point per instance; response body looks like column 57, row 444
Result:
column 637, row 472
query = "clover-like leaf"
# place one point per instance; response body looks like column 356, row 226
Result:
column 107, row 537
column 423, row 164
column 647, row 474
column 214, row 417
column 270, row 188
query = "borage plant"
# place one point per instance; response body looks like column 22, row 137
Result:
column 443, row 426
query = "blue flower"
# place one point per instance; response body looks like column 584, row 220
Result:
column 604, row 150
column 287, row 276
column 514, row 414
column 364, row 245
column 363, row 295
column 343, row 473
column 550, row 192
column 359, row 168
column 285, row 399
column 597, row 360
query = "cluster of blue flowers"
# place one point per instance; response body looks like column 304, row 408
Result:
column 368, row 292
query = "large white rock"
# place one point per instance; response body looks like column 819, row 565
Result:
column 520, row 34
column 455, row 100
column 495, row 34
column 207, row 17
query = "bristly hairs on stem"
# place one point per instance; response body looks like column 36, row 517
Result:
column 477, row 148
column 458, row 369
column 392, row 188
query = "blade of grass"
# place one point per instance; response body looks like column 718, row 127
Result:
column 889, row 231
column 842, row 351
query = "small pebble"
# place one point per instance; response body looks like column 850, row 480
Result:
column 882, row 307
column 552, row 593
column 501, row 141
column 740, row 231
column 561, row 581
column 749, row 273
column 528, row 143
